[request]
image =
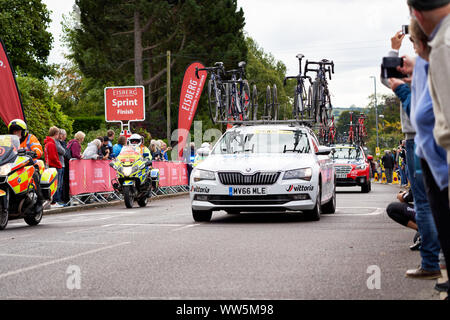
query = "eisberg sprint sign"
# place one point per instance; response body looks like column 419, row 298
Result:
column 124, row 104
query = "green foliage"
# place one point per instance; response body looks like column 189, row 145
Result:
column 40, row 108
column 87, row 124
column 102, row 47
column 389, row 126
column 263, row 70
column 23, row 29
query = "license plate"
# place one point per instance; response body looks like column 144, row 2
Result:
column 341, row 175
column 245, row 191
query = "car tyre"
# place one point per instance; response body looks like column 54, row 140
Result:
column 330, row 206
column 314, row 214
column 201, row 215
column 366, row 187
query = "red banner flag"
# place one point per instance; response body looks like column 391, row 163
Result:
column 10, row 103
column 189, row 97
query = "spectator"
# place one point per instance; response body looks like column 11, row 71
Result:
column 402, row 163
column 92, row 150
column 65, row 188
column 52, row 159
column 100, row 152
column 121, row 141
column 430, row 247
column 106, row 149
column 74, row 145
column 403, row 212
column 60, row 146
column 434, row 19
column 164, row 150
column 388, row 164
column 155, row 152
column 110, row 134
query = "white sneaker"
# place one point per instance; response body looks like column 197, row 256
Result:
column 57, row 205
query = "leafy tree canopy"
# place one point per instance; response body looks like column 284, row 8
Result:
column 23, row 29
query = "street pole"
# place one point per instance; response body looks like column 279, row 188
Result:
column 168, row 99
column 376, row 111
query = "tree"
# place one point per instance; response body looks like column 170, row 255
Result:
column 40, row 108
column 23, row 29
column 264, row 70
column 125, row 43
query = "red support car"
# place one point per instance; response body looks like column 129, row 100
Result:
column 352, row 166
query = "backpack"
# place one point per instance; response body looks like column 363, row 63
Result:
column 68, row 153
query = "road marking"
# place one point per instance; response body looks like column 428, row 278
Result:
column 65, row 241
column 23, row 255
column 377, row 211
column 186, row 227
column 45, row 264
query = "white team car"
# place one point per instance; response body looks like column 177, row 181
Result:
column 265, row 168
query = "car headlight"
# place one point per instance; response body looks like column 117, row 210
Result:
column 361, row 167
column 199, row 175
column 304, row 174
column 5, row 169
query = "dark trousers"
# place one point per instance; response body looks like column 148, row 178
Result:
column 441, row 211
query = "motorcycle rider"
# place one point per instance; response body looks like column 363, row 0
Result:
column 29, row 142
column 137, row 141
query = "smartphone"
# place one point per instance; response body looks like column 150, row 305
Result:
column 405, row 29
column 389, row 68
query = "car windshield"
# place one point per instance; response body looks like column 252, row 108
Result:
column 9, row 145
column 263, row 141
column 346, row 153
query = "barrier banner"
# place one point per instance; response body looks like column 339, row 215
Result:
column 10, row 103
column 191, row 91
column 90, row 176
column 171, row 173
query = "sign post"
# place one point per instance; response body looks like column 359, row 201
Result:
column 125, row 104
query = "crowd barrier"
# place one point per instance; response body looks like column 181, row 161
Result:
column 91, row 179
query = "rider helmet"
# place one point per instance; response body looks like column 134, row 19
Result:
column 135, row 140
column 18, row 124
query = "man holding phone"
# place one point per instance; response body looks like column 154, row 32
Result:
column 430, row 256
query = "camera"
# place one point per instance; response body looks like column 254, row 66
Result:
column 405, row 29
column 389, row 68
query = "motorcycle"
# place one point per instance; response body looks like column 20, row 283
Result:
column 135, row 177
column 18, row 195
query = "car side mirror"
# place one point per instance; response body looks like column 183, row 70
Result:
column 323, row 151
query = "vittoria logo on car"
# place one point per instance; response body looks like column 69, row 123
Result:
column 199, row 189
column 299, row 188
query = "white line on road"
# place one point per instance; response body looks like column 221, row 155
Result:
column 186, row 227
column 45, row 264
column 65, row 241
column 23, row 255
column 377, row 211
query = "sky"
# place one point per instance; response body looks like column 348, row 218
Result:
column 355, row 34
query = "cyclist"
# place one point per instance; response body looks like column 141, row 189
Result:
column 137, row 141
column 29, row 142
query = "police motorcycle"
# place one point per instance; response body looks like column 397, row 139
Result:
column 135, row 177
column 18, row 194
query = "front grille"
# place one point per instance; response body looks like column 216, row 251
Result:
column 224, row 200
column 343, row 169
column 259, row 178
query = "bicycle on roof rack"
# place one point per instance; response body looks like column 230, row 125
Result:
column 239, row 106
column 321, row 102
column 217, row 92
column 270, row 112
column 302, row 97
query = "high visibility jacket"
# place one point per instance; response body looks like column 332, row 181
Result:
column 145, row 152
column 31, row 143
